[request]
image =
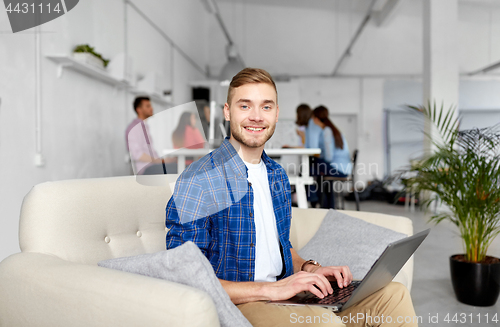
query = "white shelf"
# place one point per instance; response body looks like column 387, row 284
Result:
column 153, row 96
column 65, row 61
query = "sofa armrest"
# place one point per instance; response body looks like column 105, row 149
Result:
column 43, row 290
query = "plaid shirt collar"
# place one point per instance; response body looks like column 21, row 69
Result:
column 228, row 153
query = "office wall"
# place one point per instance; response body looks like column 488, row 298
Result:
column 474, row 93
column 479, row 105
column 83, row 119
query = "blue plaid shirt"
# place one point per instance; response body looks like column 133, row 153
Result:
column 212, row 206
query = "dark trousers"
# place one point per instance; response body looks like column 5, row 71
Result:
column 322, row 190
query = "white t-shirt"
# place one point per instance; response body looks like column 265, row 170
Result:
column 268, row 262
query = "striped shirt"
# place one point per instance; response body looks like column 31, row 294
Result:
column 212, row 206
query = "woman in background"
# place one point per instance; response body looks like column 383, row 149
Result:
column 309, row 134
column 187, row 135
column 303, row 115
column 335, row 158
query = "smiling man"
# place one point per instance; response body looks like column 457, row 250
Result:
column 254, row 115
column 235, row 205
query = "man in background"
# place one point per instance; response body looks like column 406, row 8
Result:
column 204, row 113
column 143, row 156
column 203, row 107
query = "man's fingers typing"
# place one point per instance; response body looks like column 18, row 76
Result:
column 316, row 291
column 341, row 274
column 346, row 273
column 320, row 281
column 339, row 278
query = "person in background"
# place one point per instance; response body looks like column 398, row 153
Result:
column 335, row 158
column 143, row 156
column 204, row 113
column 219, row 128
column 303, row 116
column 313, row 134
column 187, row 135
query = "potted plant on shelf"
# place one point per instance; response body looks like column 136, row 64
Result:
column 86, row 54
column 463, row 173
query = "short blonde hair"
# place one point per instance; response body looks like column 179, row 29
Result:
column 248, row 76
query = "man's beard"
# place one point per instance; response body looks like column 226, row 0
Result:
column 237, row 134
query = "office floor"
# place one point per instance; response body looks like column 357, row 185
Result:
column 432, row 292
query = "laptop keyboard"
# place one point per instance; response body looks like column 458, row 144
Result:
column 338, row 295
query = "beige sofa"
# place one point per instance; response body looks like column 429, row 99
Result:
column 66, row 227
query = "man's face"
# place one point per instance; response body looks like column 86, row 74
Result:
column 253, row 113
column 206, row 112
column 145, row 109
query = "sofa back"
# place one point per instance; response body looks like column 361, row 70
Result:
column 88, row 220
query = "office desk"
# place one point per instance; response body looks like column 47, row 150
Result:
column 298, row 181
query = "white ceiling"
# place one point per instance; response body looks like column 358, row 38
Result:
column 342, row 5
column 394, row 48
column 494, row 3
column 347, row 5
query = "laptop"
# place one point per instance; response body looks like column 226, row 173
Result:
column 381, row 273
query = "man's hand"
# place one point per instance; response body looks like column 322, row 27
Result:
column 316, row 281
column 302, row 281
column 342, row 274
column 313, row 279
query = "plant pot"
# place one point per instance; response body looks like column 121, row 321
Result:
column 89, row 59
column 475, row 284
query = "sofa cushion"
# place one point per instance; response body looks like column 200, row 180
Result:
column 91, row 219
column 343, row 240
column 186, row 265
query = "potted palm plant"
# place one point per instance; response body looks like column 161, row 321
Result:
column 462, row 172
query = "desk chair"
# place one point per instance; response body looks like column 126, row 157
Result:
column 344, row 180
